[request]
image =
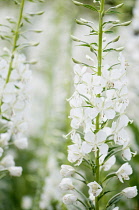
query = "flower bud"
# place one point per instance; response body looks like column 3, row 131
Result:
column 69, row 199
column 66, row 184
column 130, row 192
column 67, row 170
column 15, row 171
column 21, row 143
column 1, row 151
column 7, row 161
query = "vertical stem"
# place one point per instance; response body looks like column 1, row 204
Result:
column 16, row 36
column 101, row 14
column 100, row 36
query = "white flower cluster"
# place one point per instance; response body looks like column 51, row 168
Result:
column 67, row 185
column 50, row 189
column 110, row 105
column 104, row 97
column 13, row 108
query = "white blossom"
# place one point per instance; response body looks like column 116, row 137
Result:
column 69, row 199
column 21, row 143
column 130, row 192
column 116, row 208
column 67, row 170
column 94, row 189
column 66, row 184
column 126, row 154
column 124, row 171
column 15, row 170
column 109, row 163
column 14, row 99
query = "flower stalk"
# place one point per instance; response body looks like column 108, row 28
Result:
column 16, row 36
column 100, row 38
column 98, row 112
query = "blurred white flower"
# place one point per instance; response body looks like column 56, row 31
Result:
column 67, row 170
column 15, row 170
column 130, row 192
column 69, row 199
column 66, row 184
column 26, row 202
column 21, row 143
column 7, row 161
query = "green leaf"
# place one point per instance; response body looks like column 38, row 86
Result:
column 111, row 22
column 37, row 13
column 3, row 174
column 108, row 50
column 104, row 193
column 83, row 23
column 84, row 45
column 78, row 62
column 26, row 19
column 115, row 40
column 114, row 200
column 112, row 152
column 92, row 205
column 109, row 176
column 16, row 2
column 108, row 32
column 85, row 5
column 112, row 11
column 117, row 6
column 74, row 38
column 111, row 207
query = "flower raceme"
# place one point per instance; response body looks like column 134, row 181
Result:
column 14, row 100
column 111, row 87
column 86, row 105
column 98, row 118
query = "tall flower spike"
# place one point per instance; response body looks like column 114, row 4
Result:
column 15, row 76
column 97, row 114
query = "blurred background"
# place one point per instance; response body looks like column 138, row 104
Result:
column 52, row 84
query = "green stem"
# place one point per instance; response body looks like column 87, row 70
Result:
column 16, row 36
column 100, row 36
column 85, row 198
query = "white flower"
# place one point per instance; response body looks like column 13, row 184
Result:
column 66, row 184
column 94, row 188
column 79, row 72
column 69, row 199
column 26, row 202
column 77, row 117
column 1, row 151
column 4, row 138
column 76, row 100
column 76, row 153
column 120, row 134
column 67, row 170
column 7, row 161
column 105, row 107
column 124, row 171
column 15, row 170
column 109, row 163
column 130, row 192
column 94, row 140
column 116, row 208
column 126, row 154
column 21, row 143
